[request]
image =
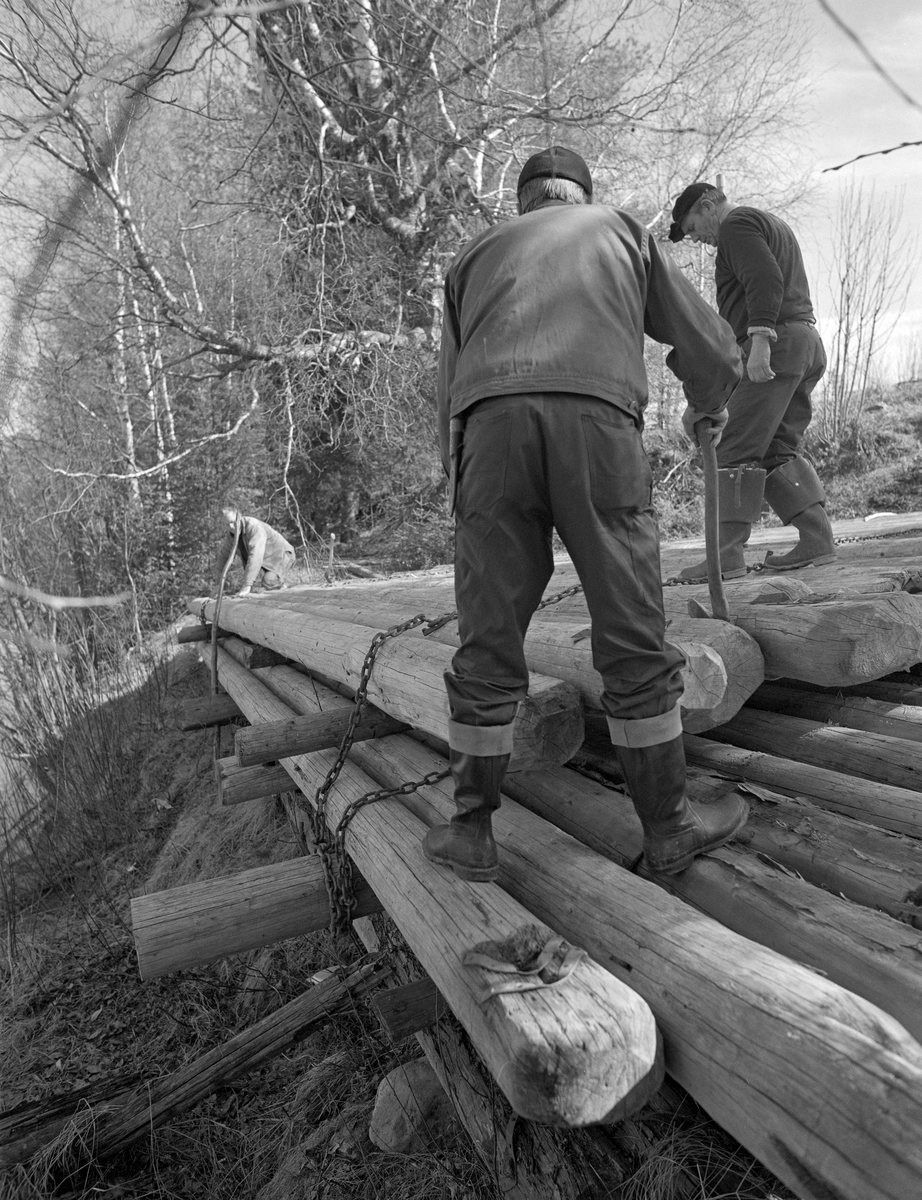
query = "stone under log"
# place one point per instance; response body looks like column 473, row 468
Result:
column 741, row 1023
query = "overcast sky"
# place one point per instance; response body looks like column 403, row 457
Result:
column 854, row 111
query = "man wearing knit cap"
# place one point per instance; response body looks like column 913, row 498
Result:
column 541, row 396
column 763, row 294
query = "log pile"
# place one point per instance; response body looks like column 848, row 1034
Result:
column 784, row 972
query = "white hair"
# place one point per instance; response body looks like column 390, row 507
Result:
column 535, row 191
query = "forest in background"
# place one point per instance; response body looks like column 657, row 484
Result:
column 233, row 237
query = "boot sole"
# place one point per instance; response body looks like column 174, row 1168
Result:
column 469, row 874
column 821, row 560
column 686, row 861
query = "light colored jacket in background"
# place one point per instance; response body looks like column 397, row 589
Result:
column 260, row 548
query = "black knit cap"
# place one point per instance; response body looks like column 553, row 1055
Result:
column 683, row 206
column 556, row 162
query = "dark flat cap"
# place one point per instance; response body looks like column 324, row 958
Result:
column 556, row 162
column 683, row 206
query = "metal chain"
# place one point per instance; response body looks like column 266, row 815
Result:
column 338, row 870
column 438, row 622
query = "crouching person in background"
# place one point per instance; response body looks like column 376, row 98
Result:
column 266, row 557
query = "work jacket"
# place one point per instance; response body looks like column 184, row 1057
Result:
column 559, row 300
column 259, row 547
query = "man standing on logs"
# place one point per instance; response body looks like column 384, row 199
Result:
column 541, row 393
column 763, row 294
column 266, row 556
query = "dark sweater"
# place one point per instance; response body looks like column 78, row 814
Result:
column 759, row 272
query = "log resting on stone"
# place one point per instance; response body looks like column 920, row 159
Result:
column 407, row 679
column 793, row 1066
column 580, row 1052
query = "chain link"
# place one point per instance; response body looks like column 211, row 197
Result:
column 438, row 622
column 338, row 869
column 758, row 568
column 339, row 872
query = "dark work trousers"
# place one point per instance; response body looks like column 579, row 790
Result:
column 767, row 420
column 531, row 463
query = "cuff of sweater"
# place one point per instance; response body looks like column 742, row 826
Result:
column 769, row 331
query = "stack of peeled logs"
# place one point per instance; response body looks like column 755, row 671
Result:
column 787, row 997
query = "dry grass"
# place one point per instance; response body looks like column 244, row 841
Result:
column 78, row 1015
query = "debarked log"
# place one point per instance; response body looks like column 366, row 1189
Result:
column 856, row 712
column 206, row 712
column 407, row 680
column 723, row 664
column 872, row 756
column 849, row 858
column 792, row 1065
column 880, row 804
column 833, row 642
column 113, row 1124
column 302, row 735
column 196, row 923
column 572, row 1054
column 237, row 785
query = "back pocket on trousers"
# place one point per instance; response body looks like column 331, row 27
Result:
column 619, row 471
column 484, row 456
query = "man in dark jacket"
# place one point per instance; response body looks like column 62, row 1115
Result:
column 763, row 294
column 265, row 555
column 541, row 393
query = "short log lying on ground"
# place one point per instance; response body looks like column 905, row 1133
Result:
column 237, row 785
column 407, row 681
column 871, row 756
column 571, row 1054
column 109, row 1126
column 880, row 804
column 196, row 923
column 723, row 664
column 303, row 735
column 205, row 712
column 796, row 1068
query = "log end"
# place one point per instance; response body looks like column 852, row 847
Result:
column 598, row 1055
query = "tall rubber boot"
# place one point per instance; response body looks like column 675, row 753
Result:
column 739, row 498
column 676, row 830
column 796, row 494
column 466, row 843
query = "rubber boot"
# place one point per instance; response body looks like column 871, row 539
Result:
column 676, row 830
column 733, row 537
column 796, row 494
column 739, row 497
column 466, row 843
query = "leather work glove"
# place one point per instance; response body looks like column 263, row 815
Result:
column 716, row 421
column 759, row 362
